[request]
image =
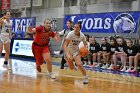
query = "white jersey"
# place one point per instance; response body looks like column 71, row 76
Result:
column 73, row 46
column 5, row 31
column 6, row 27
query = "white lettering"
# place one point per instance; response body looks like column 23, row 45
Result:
column 107, row 24
column 17, row 23
column 72, row 18
column 89, row 23
column 23, row 24
column 98, row 23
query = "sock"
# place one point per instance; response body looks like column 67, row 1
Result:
column 5, row 62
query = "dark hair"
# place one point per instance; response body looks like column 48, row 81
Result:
column 114, row 39
column 80, row 24
column 6, row 12
column 70, row 21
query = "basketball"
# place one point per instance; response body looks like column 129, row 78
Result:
column 83, row 51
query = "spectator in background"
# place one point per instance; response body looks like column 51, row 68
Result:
column 113, row 45
column 136, row 58
column 13, row 34
column 104, row 53
column 94, row 48
column 31, row 35
column 131, row 52
column 120, row 54
column 19, row 33
column 19, row 36
column 27, row 36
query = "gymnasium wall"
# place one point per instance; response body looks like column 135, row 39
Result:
column 55, row 9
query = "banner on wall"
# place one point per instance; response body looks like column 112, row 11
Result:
column 24, row 23
column 5, row 4
column 115, row 22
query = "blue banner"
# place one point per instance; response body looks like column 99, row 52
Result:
column 114, row 22
column 23, row 23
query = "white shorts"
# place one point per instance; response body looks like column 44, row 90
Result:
column 5, row 38
column 74, row 53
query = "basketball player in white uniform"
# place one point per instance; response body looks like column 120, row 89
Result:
column 5, row 35
column 71, row 49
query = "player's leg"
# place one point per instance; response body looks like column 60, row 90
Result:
column 47, row 58
column 7, row 53
column 81, row 68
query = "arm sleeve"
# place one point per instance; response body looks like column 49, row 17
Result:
column 39, row 28
column 98, row 48
column 108, row 48
column 125, row 49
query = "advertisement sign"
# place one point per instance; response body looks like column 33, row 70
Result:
column 114, row 22
column 24, row 23
column 22, row 47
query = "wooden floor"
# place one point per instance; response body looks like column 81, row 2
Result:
column 24, row 79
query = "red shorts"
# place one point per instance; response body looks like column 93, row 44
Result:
column 38, row 51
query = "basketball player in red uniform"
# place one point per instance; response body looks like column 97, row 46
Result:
column 40, row 47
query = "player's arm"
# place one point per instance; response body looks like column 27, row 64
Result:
column 1, row 20
column 10, row 32
column 31, row 31
column 84, row 41
column 66, row 43
column 57, row 37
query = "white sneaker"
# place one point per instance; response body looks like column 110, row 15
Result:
column 128, row 70
column 105, row 66
column 56, row 52
column 51, row 75
column 98, row 65
column 124, row 69
column 111, row 67
column 85, row 64
column 85, row 81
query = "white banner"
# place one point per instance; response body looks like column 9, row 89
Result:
column 22, row 47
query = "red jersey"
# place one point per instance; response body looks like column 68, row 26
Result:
column 42, row 36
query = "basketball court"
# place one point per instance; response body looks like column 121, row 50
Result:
column 24, row 78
